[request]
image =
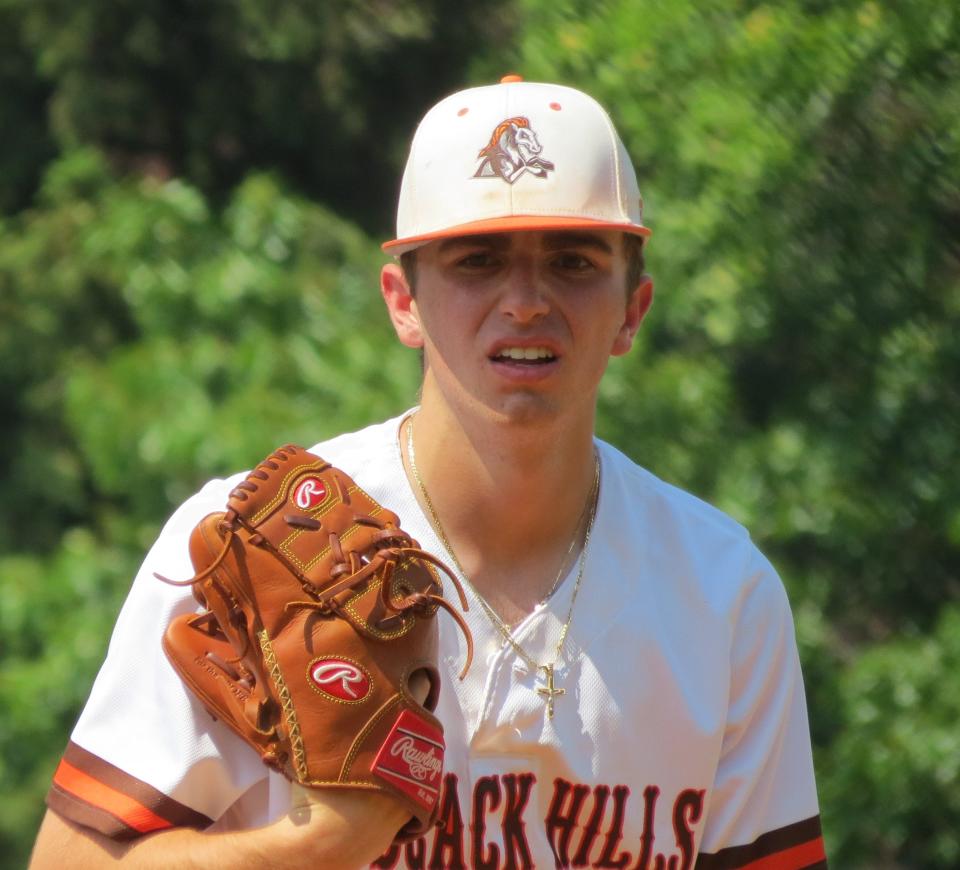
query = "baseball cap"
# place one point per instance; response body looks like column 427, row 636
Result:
column 515, row 156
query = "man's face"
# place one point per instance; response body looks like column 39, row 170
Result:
column 521, row 325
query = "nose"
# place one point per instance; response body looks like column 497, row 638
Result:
column 524, row 298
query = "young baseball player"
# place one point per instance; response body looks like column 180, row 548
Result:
column 635, row 698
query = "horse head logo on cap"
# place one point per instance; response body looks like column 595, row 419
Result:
column 512, row 150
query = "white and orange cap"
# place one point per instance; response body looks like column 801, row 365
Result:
column 515, row 156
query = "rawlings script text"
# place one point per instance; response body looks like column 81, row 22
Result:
column 422, row 765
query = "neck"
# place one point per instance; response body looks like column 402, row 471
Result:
column 509, row 495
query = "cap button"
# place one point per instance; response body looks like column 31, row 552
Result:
column 506, row 80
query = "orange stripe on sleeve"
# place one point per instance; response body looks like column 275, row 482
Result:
column 131, row 812
column 793, row 858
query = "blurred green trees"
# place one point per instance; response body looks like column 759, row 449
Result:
column 150, row 342
column 189, row 204
column 800, row 368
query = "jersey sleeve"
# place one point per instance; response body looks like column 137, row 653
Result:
column 144, row 754
column 763, row 810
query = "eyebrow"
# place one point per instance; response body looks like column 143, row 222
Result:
column 498, row 241
column 567, row 239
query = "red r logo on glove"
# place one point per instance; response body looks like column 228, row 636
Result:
column 339, row 679
column 309, row 493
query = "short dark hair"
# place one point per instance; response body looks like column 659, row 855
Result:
column 632, row 250
column 408, row 262
column 636, row 266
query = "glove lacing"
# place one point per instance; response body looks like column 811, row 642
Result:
column 392, row 546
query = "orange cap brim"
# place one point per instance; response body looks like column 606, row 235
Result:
column 515, row 223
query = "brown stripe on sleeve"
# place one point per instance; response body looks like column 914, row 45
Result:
column 71, row 807
column 92, row 792
column 794, row 847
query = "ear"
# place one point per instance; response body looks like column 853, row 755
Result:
column 637, row 307
column 401, row 305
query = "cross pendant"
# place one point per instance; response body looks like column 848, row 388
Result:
column 549, row 691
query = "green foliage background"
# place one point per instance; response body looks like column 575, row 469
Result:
column 190, row 205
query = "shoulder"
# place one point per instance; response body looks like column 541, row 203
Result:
column 696, row 546
column 359, row 454
column 354, row 451
column 644, row 492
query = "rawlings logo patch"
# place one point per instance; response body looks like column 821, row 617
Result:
column 411, row 759
column 513, row 149
column 339, row 679
column 309, row 493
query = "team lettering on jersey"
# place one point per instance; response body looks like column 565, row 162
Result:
column 584, row 826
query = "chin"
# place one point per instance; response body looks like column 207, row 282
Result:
column 528, row 409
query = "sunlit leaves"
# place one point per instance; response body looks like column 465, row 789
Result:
column 175, row 302
column 800, row 165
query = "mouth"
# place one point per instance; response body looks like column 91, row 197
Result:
column 530, row 356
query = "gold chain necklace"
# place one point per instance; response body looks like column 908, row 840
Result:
column 550, row 690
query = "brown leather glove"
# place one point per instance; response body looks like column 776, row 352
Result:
column 318, row 609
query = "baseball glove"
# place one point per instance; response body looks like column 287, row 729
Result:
column 317, row 611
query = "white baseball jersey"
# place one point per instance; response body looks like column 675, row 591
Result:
column 681, row 739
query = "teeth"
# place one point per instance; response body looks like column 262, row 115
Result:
column 525, row 353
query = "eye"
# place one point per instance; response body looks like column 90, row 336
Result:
column 571, row 261
column 477, row 260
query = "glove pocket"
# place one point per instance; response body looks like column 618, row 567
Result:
column 348, row 713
